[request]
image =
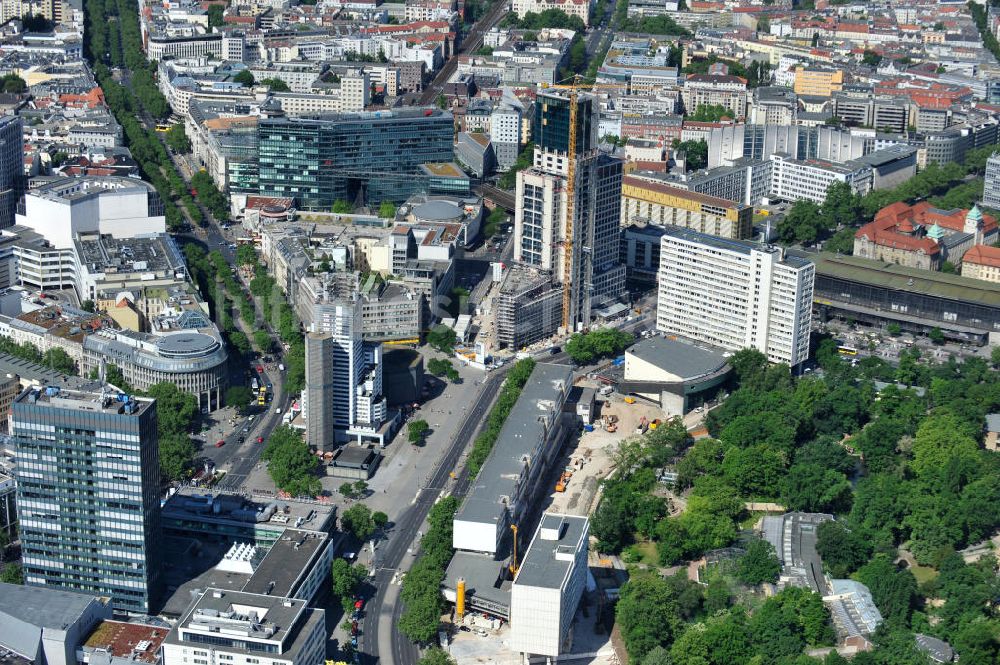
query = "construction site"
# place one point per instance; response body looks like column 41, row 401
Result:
column 486, row 585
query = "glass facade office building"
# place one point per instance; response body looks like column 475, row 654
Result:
column 551, row 130
column 355, row 157
column 88, row 477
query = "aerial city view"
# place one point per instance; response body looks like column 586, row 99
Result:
column 499, row 332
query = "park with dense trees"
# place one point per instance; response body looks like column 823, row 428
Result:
column 903, row 471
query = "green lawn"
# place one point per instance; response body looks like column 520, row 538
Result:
column 923, row 573
column 649, row 554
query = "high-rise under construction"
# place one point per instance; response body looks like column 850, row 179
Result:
column 569, row 206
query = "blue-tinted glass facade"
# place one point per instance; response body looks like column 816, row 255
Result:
column 551, row 130
column 371, row 157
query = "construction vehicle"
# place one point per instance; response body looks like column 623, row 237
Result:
column 630, row 400
column 513, row 563
column 612, row 427
column 563, row 481
column 574, row 88
column 655, row 424
column 643, row 426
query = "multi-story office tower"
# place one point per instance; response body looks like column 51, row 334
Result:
column 735, row 294
column 88, row 479
column 991, row 190
column 343, row 396
column 373, row 157
column 571, row 232
column 11, row 167
column 245, row 629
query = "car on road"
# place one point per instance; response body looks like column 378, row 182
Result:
column 220, row 443
column 260, row 439
column 260, row 369
column 242, row 439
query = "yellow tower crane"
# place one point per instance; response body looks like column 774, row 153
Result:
column 513, row 563
column 573, row 89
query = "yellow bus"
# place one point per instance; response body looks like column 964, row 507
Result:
column 262, row 396
column 163, row 128
column 847, row 351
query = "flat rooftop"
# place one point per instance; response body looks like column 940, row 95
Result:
column 913, row 280
column 134, row 641
column 235, row 613
column 111, row 402
column 42, row 607
column 485, row 577
column 679, row 357
column 105, row 253
column 286, row 562
column 729, row 245
column 213, row 506
column 552, row 551
column 501, row 473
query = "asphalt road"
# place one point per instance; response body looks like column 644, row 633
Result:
column 395, row 648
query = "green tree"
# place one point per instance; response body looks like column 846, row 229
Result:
column 936, row 336
column 88, row 306
column 436, row 656
column 290, row 464
column 871, row 58
column 759, row 564
column 176, row 455
column 215, row 13
column 648, row 615
column 346, row 579
column 262, row 339
column 275, row 85
column 12, row 573
column 13, row 84
column 585, row 348
column 341, row 207
column 358, row 520
column 841, row 549
column 416, row 431
column 442, row 338
column 238, row 396
column 710, row 113
column 59, row 360
column 244, row 77
column 894, row 591
column 811, row 488
column 380, row 519
column 387, row 210
column 246, row 255
column 177, row 139
column 696, row 153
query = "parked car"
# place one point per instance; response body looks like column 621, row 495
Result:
column 220, row 443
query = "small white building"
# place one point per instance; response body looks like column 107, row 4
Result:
column 548, row 586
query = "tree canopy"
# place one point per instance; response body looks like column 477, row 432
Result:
column 290, row 464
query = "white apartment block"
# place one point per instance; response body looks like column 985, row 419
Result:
column 579, row 8
column 505, row 133
column 794, row 179
column 735, row 294
column 239, row 628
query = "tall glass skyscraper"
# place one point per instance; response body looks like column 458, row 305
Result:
column 11, row 167
column 373, row 156
column 88, row 473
